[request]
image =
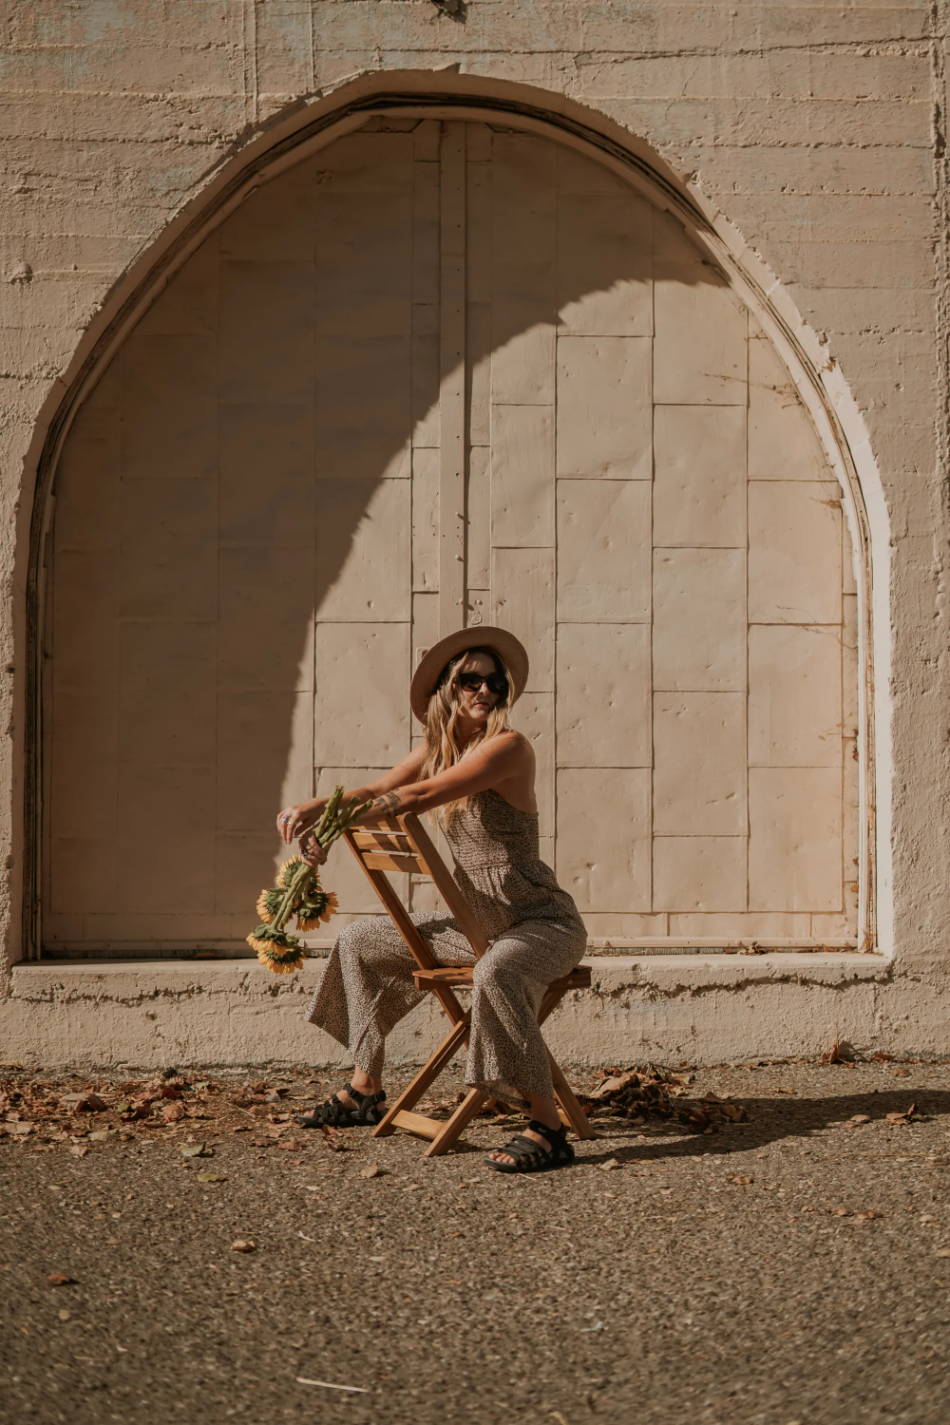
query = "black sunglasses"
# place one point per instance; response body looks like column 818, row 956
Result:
column 496, row 683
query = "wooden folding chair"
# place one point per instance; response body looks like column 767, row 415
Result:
column 401, row 843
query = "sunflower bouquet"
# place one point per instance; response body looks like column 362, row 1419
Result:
column 298, row 893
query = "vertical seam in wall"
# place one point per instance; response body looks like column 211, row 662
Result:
column 748, row 626
column 554, row 482
column 452, row 254
column 314, row 511
column 312, row 55
column 251, row 105
column 216, row 838
column 842, row 737
column 650, row 906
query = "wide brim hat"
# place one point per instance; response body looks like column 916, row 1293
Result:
column 426, row 677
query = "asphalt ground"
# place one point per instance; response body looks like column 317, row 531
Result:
column 792, row 1269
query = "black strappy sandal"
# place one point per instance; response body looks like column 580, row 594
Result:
column 532, row 1157
column 334, row 1114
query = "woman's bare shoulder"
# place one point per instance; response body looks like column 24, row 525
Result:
column 511, row 743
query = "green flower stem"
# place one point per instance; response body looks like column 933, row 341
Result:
column 297, row 880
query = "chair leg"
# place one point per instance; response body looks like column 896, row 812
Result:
column 456, row 1124
column 430, row 1071
column 567, row 1102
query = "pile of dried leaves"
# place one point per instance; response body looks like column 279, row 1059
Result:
column 648, row 1093
column 79, row 1113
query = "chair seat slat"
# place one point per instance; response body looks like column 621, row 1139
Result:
column 578, row 979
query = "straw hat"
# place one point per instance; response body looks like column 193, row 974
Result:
column 434, row 659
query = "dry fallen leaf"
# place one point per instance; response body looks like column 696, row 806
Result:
column 841, row 1052
column 333, row 1138
column 905, row 1117
column 942, row 1252
column 88, row 1102
column 243, row 1244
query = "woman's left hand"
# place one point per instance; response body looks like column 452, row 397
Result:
column 312, row 852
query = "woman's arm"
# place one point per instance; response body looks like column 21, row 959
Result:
column 303, row 815
column 502, row 758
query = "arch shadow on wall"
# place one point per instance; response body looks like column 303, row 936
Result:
column 285, row 145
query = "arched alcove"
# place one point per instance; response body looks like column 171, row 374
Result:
column 259, row 520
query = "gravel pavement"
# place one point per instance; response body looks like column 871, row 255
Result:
column 790, row 1270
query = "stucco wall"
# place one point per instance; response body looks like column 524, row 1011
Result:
column 816, row 129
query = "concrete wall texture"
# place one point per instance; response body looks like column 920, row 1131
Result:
column 704, row 321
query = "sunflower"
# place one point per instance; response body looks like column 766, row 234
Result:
column 268, row 904
column 318, row 907
column 297, row 892
column 287, row 872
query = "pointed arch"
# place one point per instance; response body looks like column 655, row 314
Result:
column 820, row 384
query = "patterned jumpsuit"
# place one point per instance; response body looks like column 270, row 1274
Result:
column 536, row 936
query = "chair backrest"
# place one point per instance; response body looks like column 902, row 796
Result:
column 401, row 843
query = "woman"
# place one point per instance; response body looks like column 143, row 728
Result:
column 479, row 773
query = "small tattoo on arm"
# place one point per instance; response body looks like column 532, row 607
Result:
column 387, row 804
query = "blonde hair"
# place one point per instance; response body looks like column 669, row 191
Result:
column 443, row 748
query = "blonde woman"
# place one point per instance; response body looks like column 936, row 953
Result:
column 479, row 775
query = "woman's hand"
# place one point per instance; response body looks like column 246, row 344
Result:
column 295, row 821
column 312, row 852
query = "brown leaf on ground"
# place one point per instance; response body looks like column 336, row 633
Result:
column 841, row 1052
column 87, row 1102
column 333, row 1138
column 905, row 1117
column 173, row 1112
column 651, row 1092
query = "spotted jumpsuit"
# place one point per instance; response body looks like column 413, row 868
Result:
column 536, row 936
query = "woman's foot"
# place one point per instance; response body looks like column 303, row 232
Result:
column 538, row 1148
column 347, row 1108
